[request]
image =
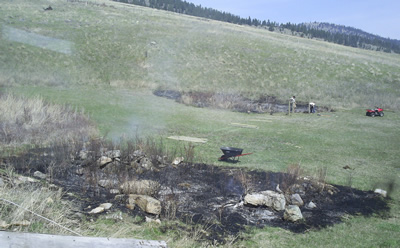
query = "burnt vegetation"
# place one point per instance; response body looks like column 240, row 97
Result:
column 195, row 194
column 234, row 101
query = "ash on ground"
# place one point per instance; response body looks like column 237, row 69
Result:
column 214, row 196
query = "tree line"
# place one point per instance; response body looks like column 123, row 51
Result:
column 338, row 34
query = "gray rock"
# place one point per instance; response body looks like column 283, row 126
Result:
column 292, row 213
column 39, row 174
column 105, row 183
column 140, row 187
column 267, row 198
column 295, row 199
column 80, row 171
column 103, row 161
column 114, row 191
column 113, row 154
column 138, row 153
column 83, row 154
column 146, row 164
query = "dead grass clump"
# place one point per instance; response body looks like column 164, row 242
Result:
column 33, row 121
column 292, row 176
column 32, row 208
column 321, row 177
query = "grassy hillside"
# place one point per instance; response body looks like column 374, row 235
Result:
column 129, row 46
column 105, row 57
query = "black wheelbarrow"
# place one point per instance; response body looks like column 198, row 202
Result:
column 231, row 154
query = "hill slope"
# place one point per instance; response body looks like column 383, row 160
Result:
column 129, row 46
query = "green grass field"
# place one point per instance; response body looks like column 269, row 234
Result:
column 120, row 53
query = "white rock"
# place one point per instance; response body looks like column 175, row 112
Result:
column 266, row 198
column 381, row 192
column 150, row 220
column 106, row 206
column 97, row 210
column 311, row 205
column 114, row 191
column 178, row 160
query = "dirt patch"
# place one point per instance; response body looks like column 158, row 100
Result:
column 235, row 102
column 206, row 194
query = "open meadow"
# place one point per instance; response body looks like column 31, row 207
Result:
column 103, row 60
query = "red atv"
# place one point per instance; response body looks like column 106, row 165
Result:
column 375, row 112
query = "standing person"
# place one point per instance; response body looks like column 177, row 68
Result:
column 293, row 102
column 312, row 107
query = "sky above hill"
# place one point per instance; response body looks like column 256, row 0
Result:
column 380, row 17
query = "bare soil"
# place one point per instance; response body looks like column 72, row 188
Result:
column 206, row 194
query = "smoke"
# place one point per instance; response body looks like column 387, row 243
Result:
column 37, row 40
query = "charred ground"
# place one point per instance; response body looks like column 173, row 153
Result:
column 199, row 193
column 234, row 102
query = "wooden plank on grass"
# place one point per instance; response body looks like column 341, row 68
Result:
column 244, row 125
column 33, row 240
column 190, row 139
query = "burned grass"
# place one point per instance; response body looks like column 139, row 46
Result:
column 234, row 101
column 201, row 194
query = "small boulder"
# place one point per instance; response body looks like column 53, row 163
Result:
column 138, row 153
column 103, row 161
column 97, row 210
column 100, row 209
column 83, row 154
column 104, row 183
column 292, row 213
column 106, row 206
column 150, row 220
column 146, row 164
column 39, row 174
column 114, row 191
column 146, row 203
column 381, row 192
column 140, row 187
column 113, row 154
column 311, row 205
column 178, row 160
column 266, row 198
column 4, row 225
column 80, row 171
column 295, row 199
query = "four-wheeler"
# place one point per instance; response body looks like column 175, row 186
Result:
column 375, row 112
